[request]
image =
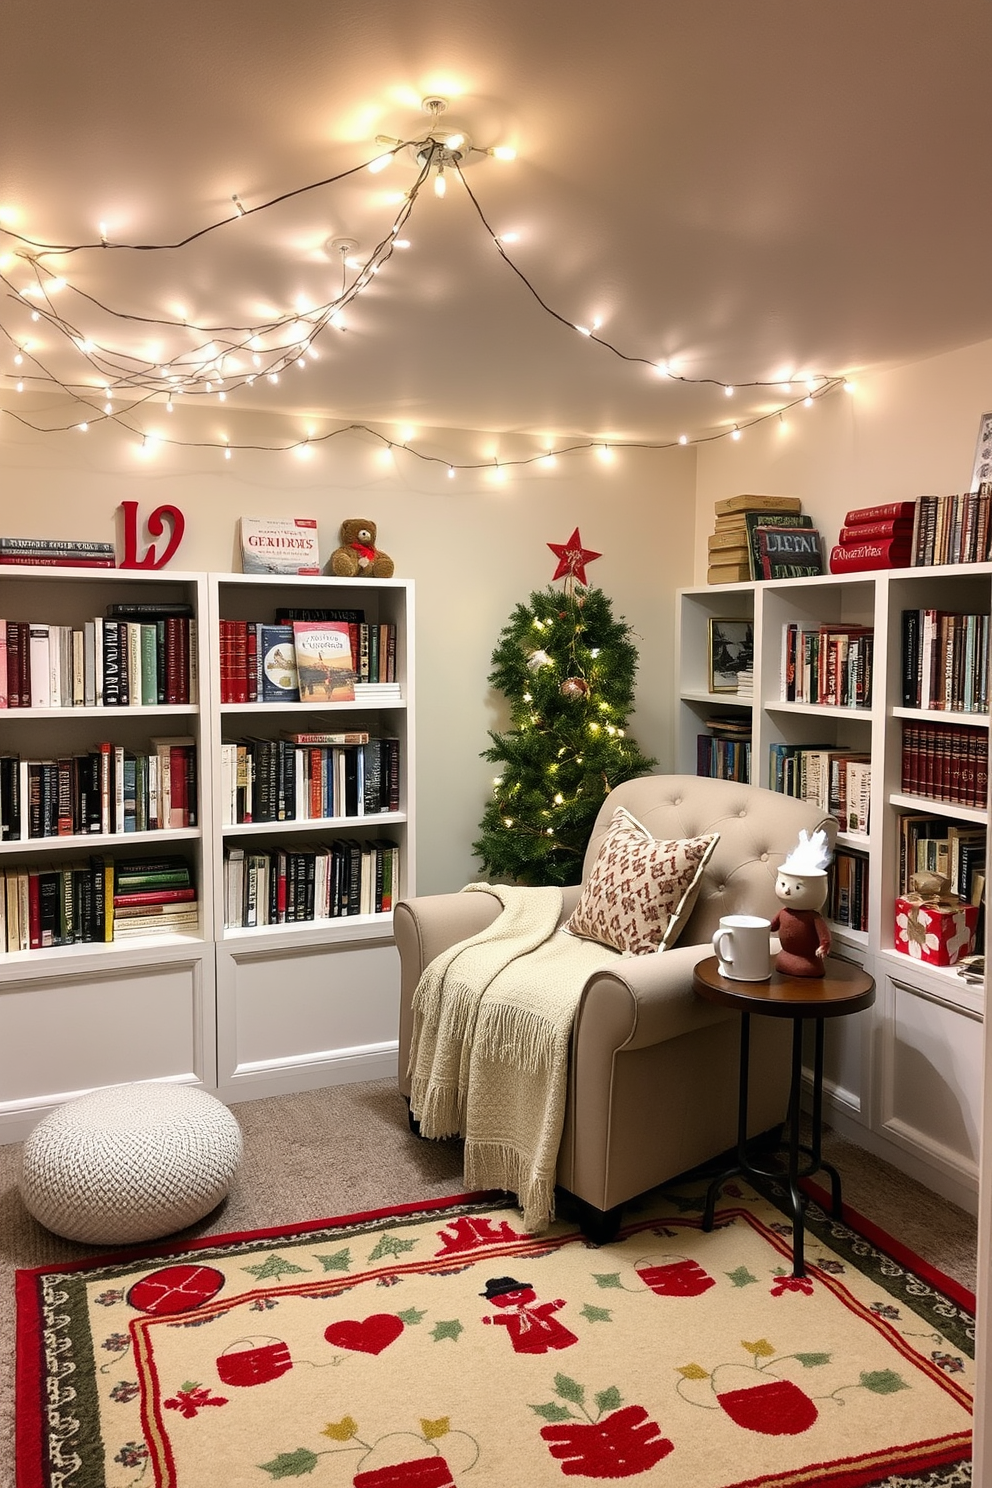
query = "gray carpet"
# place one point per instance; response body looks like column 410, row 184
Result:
column 348, row 1148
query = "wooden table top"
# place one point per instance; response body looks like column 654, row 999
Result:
column 844, row 988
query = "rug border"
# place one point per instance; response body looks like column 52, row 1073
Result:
column 955, row 1291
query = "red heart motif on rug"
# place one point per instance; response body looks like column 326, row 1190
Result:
column 365, row 1335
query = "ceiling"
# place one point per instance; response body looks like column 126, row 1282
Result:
column 751, row 188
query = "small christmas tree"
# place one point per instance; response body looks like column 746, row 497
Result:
column 567, row 667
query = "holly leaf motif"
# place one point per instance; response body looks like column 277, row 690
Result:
column 276, row 1267
column 391, row 1245
column 448, row 1329
column 693, row 1371
column 342, row 1430
column 188, row 1386
column 611, row 1279
column 609, row 1400
column 811, row 1361
column 569, row 1389
column 291, row 1464
column 741, row 1277
column 552, row 1412
column 762, row 1349
column 339, row 1261
column 412, row 1315
column 883, row 1382
column 433, row 1429
column 596, row 1314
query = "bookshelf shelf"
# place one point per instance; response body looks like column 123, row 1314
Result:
column 316, row 824
column 904, row 1077
column 112, row 843
column 298, row 710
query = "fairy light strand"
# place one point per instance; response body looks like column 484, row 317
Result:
column 201, row 372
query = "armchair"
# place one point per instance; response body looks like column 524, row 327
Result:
column 652, row 1083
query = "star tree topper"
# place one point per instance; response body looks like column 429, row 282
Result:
column 572, row 558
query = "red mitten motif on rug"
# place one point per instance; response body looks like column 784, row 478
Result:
column 619, row 1446
column 251, row 1362
column 174, row 1289
column 681, row 1277
column 366, row 1335
column 775, row 1407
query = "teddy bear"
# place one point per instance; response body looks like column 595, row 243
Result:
column 358, row 556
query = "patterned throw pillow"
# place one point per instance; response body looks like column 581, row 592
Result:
column 641, row 890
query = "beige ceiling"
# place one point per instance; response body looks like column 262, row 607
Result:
column 750, row 187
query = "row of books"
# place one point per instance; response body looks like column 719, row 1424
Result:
column 847, row 890
column 827, row 664
column 108, row 790
column 308, row 777
column 945, row 762
column 945, row 661
column 56, row 552
column 836, row 780
column 117, row 661
column 100, row 900
column 932, row 844
column 290, row 885
column 875, row 537
column 953, row 529
column 310, row 656
column 725, row 752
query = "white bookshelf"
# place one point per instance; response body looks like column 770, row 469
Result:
column 242, row 1012
column 312, row 1003
column 78, row 1016
column 905, row 1078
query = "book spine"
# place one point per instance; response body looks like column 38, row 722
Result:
column 868, row 555
column 891, row 511
column 154, row 896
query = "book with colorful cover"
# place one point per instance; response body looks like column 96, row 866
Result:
column 324, row 661
column 753, row 520
column 881, row 552
column 277, row 665
column 281, row 545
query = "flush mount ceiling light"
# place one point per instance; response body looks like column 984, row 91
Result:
column 447, row 145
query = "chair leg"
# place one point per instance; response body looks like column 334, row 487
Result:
column 413, row 1122
column 599, row 1226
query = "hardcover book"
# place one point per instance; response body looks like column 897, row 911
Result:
column 277, row 654
column 323, row 661
column 755, row 520
column 282, row 545
column 757, row 503
column 789, row 552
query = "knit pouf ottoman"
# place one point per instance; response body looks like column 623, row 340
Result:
column 130, row 1163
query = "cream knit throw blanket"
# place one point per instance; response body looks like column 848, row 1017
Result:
column 492, row 1021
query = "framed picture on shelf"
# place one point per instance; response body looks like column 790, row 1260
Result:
column 731, row 653
column 982, row 471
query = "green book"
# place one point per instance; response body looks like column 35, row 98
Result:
column 755, row 519
column 149, row 666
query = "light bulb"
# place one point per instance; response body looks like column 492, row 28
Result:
column 54, row 285
column 807, row 402
column 82, row 428
column 729, row 391
column 683, row 439
column 451, row 472
column 548, row 461
column 379, row 163
column 108, row 407
column 440, row 184
column 455, row 141
column 605, row 454
column 18, row 360
column 502, row 152
column 407, row 435
column 849, row 386
column 402, row 243
column 583, row 330
column 499, row 474
column 168, row 406
column 222, row 397
column 510, row 237
column 736, row 433
column 662, row 369
column 273, row 376
column 227, row 452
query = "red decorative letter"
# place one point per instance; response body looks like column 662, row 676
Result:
column 155, row 527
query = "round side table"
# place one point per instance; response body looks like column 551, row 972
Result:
column 843, row 989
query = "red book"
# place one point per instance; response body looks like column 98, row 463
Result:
column 884, row 552
column 154, row 896
column 24, row 652
column 239, row 661
column 19, row 561
column 896, row 527
column 316, row 783
column 251, row 663
column 891, row 511
column 34, row 910
column 177, row 786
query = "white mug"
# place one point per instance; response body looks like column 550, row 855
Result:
column 743, row 944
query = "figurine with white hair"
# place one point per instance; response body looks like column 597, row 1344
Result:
column 802, row 887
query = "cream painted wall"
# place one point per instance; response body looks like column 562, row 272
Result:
column 475, row 549
column 902, row 433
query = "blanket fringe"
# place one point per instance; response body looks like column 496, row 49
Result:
column 502, row 1165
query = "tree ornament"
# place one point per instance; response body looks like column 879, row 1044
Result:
column 572, row 558
column 574, row 687
column 538, row 659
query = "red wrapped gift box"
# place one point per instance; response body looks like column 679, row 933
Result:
column 937, row 931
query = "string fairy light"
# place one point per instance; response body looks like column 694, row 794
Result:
column 275, row 344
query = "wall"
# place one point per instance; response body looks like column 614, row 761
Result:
column 902, row 433
column 474, row 548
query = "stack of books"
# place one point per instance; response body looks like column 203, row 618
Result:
column 953, row 529
column 875, row 537
column 725, row 752
column 734, row 546
column 154, row 896
column 290, row 885
column 55, row 552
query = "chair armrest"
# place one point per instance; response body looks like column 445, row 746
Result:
column 426, row 926
column 640, row 1001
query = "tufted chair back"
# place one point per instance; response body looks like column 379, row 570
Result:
column 758, row 829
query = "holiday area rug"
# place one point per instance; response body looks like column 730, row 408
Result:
column 439, row 1346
